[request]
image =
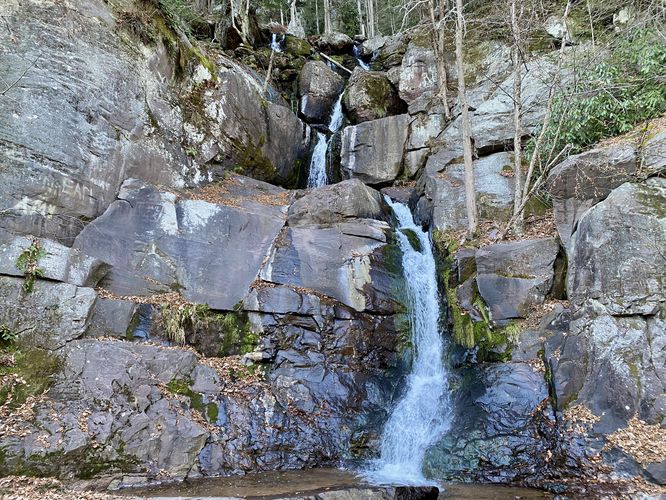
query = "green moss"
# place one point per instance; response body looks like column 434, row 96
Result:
column 35, row 368
column 297, row 46
column 237, row 334
column 492, row 344
column 253, row 162
column 129, row 333
column 212, row 411
column 413, row 239
column 183, row 387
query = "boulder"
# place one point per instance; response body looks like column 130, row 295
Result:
column 389, row 50
column 418, row 73
column 56, row 262
column 297, row 46
column 445, row 191
column 348, row 262
column 516, row 276
column 616, row 253
column 372, row 151
column 158, row 242
column 338, row 203
column 334, row 43
column 112, row 318
column 606, row 363
column 583, row 180
column 319, row 88
column 234, row 128
column 370, row 96
column 49, row 316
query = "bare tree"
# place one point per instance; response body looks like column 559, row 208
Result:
column 438, row 46
column 327, row 17
column 470, row 189
column 516, row 59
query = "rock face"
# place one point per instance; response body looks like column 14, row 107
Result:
column 611, row 361
column 159, row 243
column 615, row 257
column 583, row 180
column 50, row 315
column 148, row 111
column 372, row 151
column 445, row 192
column 55, row 261
column 514, row 277
column 320, row 304
column 370, row 96
column 319, row 87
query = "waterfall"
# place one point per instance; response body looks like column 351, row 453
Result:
column 317, row 175
column 275, row 43
column 357, row 55
column 423, row 413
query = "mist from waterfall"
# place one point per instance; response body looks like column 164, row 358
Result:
column 317, row 175
column 422, row 415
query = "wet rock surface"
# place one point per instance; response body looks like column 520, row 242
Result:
column 370, row 96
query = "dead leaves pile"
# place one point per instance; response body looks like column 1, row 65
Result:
column 644, row 442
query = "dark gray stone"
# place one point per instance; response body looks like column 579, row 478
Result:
column 370, row 96
column 337, row 203
column 616, row 254
column 319, row 88
column 49, row 316
column 159, row 243
column 513, row 277
column 373, row 151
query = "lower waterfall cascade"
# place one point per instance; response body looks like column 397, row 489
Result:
column 422, row 415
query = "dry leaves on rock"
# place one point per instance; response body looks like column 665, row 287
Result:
column 644, row 442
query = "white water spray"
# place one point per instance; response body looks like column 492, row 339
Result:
column 357, row 55
column 317, row 175
column 422, row 416
column 275, row 43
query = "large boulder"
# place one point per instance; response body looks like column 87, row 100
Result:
column 338, row 203
column 445, row 191
column 516, row 276
column 418, row 73
column 334, row 43
column 583, row 180
column 617, row 257
column 373, row 151
column 495, row 433
column 370, row 96
column 158, row 242
column 319, row 88
column 232, row 127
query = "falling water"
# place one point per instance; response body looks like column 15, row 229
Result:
column 357, row 54
column 422, row 415
column 275, row 43
column 317, row 176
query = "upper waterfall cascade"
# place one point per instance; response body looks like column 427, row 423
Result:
column 422, row 415
column 317, row 175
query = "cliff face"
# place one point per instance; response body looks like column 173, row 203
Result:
column 170, row 307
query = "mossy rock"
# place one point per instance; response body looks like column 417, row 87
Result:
column 297, row 46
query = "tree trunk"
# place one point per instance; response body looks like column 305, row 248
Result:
column 361, row 23
column 517, row 119
column 327, row 16
column 470, row 189
column 438, row 45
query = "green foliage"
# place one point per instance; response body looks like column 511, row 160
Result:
column 177, row 319
column 27, row 263
column 626, row 88
column 181, row 15
column 183, row 387
column 7, row 336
